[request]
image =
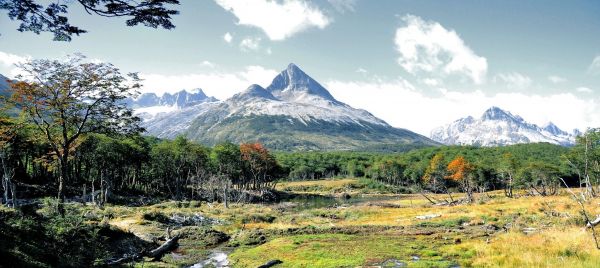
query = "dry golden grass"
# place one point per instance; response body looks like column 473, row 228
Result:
column 558, row 239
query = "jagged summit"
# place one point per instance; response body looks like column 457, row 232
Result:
column 552, row 128
column 294, row 84
column 496, row 113
column 179, row 99
column 295, row 112
column 498, row 127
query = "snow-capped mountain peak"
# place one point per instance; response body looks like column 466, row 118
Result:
column 293, row 84
column 499, row 127
column 552, row 128
column 295, row 111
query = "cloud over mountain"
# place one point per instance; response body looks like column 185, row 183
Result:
column 427, row 47
column 279, row 20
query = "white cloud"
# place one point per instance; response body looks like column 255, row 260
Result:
column 8, row 63
column 556, row 79
column 584, row 90
column 279, row 20
column 401, row 105
column 513, row 80
column 343, row 5
column 9, row 60
column 595, row 66
column 207, row 64
column 431, row 82
column 250, row 43
column 220, row 84
column 361, row 71
column 428, row 47
column 227, row 37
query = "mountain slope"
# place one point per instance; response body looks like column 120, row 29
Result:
column 293, row 113
column 499, row 127
column 4, row 86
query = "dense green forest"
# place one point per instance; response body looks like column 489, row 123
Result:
column 115, row 167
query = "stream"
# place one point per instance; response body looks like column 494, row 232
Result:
column 217, row 258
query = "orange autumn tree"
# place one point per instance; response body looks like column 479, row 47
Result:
column 259, row 165
column 461, row 171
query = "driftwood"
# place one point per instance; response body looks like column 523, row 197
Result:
column 270, row 263
column 156, row 253
column 590, row 224
column 593, row 223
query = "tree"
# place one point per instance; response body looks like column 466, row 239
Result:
column 507, row 167
column 52, row 18
column 461, row 171
column 260, row 164
column 584, row 159
column 70, row 98
column 227, row 160
column 435, row 173
column 8, row 134
column 540, row 178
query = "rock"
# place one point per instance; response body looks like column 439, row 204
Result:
column 208, row 237
column 428, row 216
column 529, row 230
column 457, row 241
column 393, row 263
column 250, row 238
column 270, row 263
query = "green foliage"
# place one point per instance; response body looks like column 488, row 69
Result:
column 50, row 240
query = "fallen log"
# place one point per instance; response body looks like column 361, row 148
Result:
column 593, row 223
column 270, row 263
column 156, row 254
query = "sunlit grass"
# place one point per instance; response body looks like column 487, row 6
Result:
column 558, row 238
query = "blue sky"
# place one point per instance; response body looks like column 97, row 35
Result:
column 415, row 64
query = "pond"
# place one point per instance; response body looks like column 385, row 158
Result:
column 310, row 201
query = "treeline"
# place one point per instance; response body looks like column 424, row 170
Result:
column 537, row 168
column 75, row 136
column 104, row 168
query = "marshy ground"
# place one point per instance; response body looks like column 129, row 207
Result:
column 322, row 227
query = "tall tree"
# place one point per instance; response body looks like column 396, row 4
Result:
column 66, row 99
column 260, row 164
column 8, row 134
column 507, row 167
column 227, row 161
column 52, row 18
column 435, row 173
column 461, row 171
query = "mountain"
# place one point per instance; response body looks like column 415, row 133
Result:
column 180, row 99
column 149, row 105
column 295, row 112
column 498, row 127
column 4, row 85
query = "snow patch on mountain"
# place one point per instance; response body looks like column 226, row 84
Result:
column 497, row 127
column 148, row 105
column 292, row 93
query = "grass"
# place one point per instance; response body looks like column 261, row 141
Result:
column 369, row 229
column 340, row 250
